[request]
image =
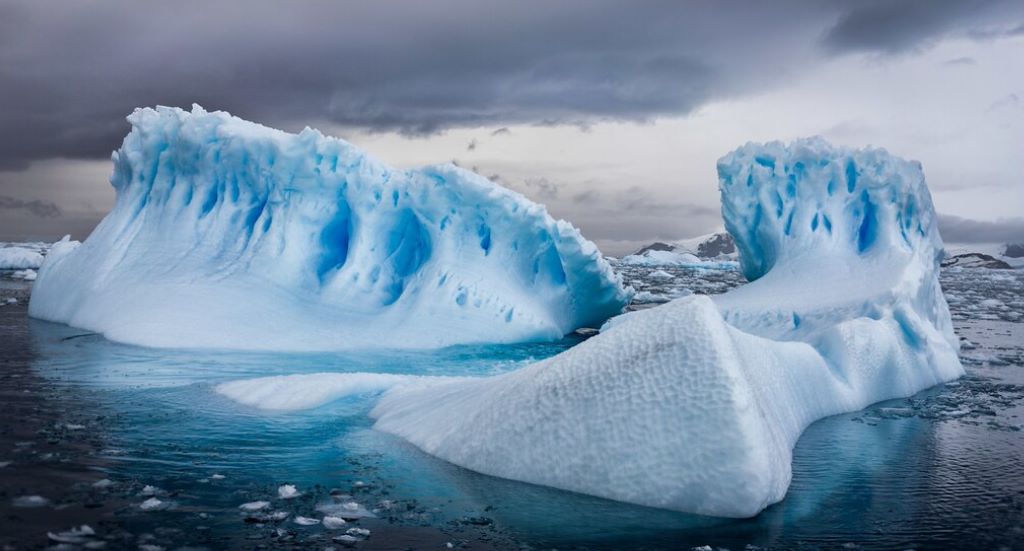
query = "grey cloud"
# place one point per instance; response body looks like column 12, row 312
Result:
column 70, row 71
column 606, row 222
column 897, row 26
column 634, row 214
column 1009, row 101
column 539, row 189
column 960, row 61
column 36, row 207
column 955, row 229
column 639, row 199
column 587, row 196
column 618, row 218
column 996, row 32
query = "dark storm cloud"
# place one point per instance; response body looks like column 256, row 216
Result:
column 36, row 207
column 998, row 31
column 896, row 26
column 70, row 71
column 964, row 230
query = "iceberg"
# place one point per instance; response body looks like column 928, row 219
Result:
column 228, row 234
column 19, row 258
column 660, row 258
column 655, row 258
column 696, row 405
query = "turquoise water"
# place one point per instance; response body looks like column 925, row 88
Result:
column 939, row 470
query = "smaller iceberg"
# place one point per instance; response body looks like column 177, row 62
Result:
column 228, row 234
column 696, row 405
column 19, row 258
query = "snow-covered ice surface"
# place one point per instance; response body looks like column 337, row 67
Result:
column 696, row 405
column 228, row 234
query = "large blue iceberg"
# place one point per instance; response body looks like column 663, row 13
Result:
column 228, row 234
column 696, row 405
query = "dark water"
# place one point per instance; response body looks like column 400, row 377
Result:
column 940, row 470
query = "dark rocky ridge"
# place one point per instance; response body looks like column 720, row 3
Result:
column 716, row 245
column 975, row 260
column 1014, row 250
column 656, row 246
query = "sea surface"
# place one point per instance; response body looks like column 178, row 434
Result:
column 135, row 444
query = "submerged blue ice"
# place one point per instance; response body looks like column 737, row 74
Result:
column 228, row 234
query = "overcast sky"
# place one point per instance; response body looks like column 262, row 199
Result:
column 611, row 113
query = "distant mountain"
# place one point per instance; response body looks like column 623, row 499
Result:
column 985, row 255
column 975, row 260
column 710, row 246
column 717, row 245
column 656, row 246
column 1014, row 250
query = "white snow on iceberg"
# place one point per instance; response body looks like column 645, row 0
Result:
column 696, row 405
column 19, row 258
column 652, row 258
column 228, row 234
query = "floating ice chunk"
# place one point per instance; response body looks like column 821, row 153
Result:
column 27, row 502
column 348, row 510
column 19, row 258
column 288, row 491
column 276, row 516
column 305, row 521
column 74, row 536
column 149, row 490
column 358, row 532
column 696, row 405
column 333, row 522
column 103, row 484
column 660, row 274
column 27, row 275
column 228, row 234
column 254, row 506
column 294, row 392
column 153, row 504
column 217, row 477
